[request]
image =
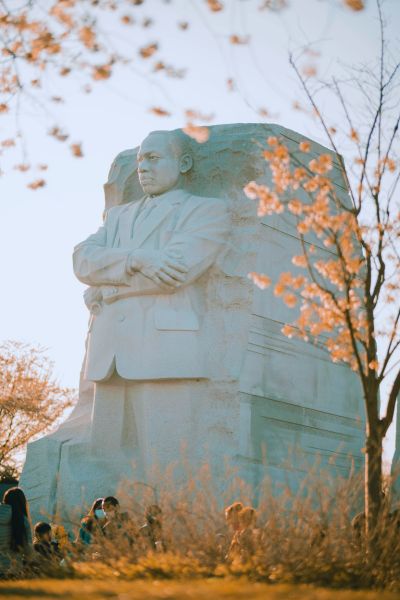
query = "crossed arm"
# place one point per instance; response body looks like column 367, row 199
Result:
column 198, row 238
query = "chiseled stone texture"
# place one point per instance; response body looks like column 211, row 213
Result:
column 271, row 406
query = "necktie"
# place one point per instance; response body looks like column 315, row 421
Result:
column 146, row 210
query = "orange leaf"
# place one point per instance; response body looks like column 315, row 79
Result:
column 288, row 330
column 87, row 37
column 58, row 134
column 354, row 136
column 127, row 20
column 310, row 71
column 159, row 66
column 215, row 5
column 8, row 143
column 35, row 185
column 76, row 150
column 290, row 300
column 299, row 261
column 22, row 167
column 355, row 5
column 148, row 51
column 261, row 281
column 239, row 40
column 302, row 228
column 295, row 206
column 160, row 112
column 305, row 146
column 391, row 164
column 101, row 72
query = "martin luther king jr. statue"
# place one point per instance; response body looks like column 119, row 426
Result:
column 145, row 268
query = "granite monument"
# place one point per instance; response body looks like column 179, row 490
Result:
column 184, row 355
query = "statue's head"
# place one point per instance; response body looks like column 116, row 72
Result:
column 163, row 160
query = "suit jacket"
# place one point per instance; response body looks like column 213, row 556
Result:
column 139, row 329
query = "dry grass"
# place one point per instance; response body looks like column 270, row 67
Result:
column 209, row 589
column 301, row 537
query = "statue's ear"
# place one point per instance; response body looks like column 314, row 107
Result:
column 186, row 163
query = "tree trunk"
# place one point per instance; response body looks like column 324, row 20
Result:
column 373, row 476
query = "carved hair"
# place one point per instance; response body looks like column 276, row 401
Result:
column 178, row 140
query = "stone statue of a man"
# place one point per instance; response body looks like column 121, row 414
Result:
column 147, row 271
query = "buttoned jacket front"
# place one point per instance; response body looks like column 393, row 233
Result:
column 141, row 330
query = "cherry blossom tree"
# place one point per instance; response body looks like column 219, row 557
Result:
column 31, row 401
column 348, row 294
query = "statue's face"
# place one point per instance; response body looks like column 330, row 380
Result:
column 159, row 164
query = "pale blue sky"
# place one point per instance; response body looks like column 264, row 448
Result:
column 41, row 300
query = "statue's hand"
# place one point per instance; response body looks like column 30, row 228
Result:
column 93, row 298
column 166, row 270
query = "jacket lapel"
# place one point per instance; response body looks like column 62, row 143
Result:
column 165, row 206
column 125, row 220
column 112, row 228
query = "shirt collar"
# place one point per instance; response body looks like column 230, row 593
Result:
column 172, row 197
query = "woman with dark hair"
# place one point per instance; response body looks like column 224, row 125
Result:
column 15, row 528
column 92, row 523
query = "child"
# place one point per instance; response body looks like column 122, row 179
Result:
column 43, row 543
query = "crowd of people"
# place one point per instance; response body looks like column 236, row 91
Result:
column 105, row 524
